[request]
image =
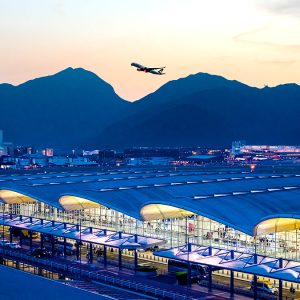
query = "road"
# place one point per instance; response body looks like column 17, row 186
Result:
column 127, row 274
column 112, row 259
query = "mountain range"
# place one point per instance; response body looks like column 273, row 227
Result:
column 76, row 108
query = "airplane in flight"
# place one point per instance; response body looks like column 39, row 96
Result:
column 156, row 71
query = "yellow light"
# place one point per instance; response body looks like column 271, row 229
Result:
column 11, row 197
column 160, row 211
column 252, row 167
column 76, row 203
column 277, row 225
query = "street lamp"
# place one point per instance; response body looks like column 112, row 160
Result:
column 3, row 207
column 79, row 245
column 2, row 260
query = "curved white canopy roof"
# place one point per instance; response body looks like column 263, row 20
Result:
column 238, row 199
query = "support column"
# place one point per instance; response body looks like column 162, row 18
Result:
column 91, row 253
column 105, row 256
column 65, row 241
column 255, row 287
column 120, row 252
column 171, row 232
column 30, row 239
column 120, row 259
column 189, row 273
column 118, row 227
column 42, row 240
column 255, row 277
column 209, row 270
column 55, row 213
column 10, row 235
column 78, row 246
column 65, row 246
column 135, row 253
column 77, row 251
column 232, row 276
column 135, row 259
column 52, row 244
column 280, row 281
column 199, row 238
column 209, row 278
column 21, row 238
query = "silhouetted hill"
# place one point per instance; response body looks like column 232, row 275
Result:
column 65, row 109
column 75, row 108
column 187, row 86
column 210, row 110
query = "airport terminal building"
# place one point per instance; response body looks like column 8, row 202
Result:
column 230, row 210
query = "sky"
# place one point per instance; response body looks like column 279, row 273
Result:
column 254, row 41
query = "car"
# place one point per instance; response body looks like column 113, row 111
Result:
column 4, row 242
column 197, row 271
column 265, row 286
column 40, row 253
column 69, row 247
column 14, row 246
column 49, row 238
column 57, row 252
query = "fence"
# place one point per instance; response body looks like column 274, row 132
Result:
column 77, row 271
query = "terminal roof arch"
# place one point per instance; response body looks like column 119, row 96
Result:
column 239, row 199
column 279, row 223
column 17, row 196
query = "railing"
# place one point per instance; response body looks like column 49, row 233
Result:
column 93, row 275
column 238, row 290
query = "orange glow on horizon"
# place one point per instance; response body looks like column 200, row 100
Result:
column 249, row 41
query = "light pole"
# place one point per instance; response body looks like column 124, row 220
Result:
column 2, row 258
column 2, row 205
column 189, row 249
column 80, row 242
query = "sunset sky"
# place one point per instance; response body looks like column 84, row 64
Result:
column 253, row 41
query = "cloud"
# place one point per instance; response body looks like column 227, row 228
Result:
column 58, row 8
column 281, row 7
column 250, row 37
column 276, row 62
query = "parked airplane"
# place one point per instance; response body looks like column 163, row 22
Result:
column 156, row 71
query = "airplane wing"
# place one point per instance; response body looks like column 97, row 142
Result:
column 156, row 72
column 161, row 68
column 137, row 65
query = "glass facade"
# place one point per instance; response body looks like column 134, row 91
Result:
column 176, row 231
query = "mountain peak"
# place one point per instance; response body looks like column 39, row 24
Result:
column 68, row 107
column 186, row 86
column 71, row 78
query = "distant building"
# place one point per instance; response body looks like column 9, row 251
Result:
column 48, row 152
column 148, row 161
column 151, row 152
column 58, row 160
column 1, row 137
column 237, row 146
column 90, row 153
column 2, row 151
column 81, row 161
column 204, row 158
column 21, row 150
column 2, row 148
